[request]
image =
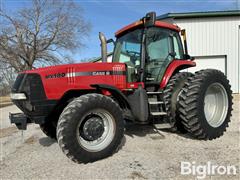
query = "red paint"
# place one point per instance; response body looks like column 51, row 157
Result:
column 56, row 87
column 134, row 85
column 167, row 25
column 175, row 64
column 106, row 92
column 128, row 27
column 140, row 23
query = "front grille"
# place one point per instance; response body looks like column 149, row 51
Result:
column 36, row 107
column 17, row 83
column 36, row 88
column 31, row 85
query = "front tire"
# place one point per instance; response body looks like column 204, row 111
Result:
column 90, row 128
column 49, row 129
column 206, row 104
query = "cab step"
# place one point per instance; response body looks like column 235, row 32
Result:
column 155, row 102
column 158, row 113
column 162, row 126
column 155, row 92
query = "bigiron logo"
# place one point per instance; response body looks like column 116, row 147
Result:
column 57, row 75
column 208, row 169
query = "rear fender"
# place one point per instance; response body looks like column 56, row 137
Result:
column 174, row 67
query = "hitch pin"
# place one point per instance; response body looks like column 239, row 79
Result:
column 22, row 136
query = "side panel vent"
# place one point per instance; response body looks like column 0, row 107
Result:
column 71, row 75
column 118, row 75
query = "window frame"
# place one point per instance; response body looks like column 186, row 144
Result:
column 180, row 45
column 119, row 50
column 170, row 44
column 172, row 49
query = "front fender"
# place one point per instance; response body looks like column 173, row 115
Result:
column 174, row 66
column 117, row 94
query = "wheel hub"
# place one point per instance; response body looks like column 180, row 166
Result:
column 96, row 130
column 215, row 104
column 93, row 128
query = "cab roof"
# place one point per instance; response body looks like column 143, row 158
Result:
column 140, row 23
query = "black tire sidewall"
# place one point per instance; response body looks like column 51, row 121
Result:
column 49, row 129
column 172, row 90
column 177, row 89
column 208, row 80
column 70, row 132
column 175, row 104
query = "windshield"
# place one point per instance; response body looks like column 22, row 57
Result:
column 128, row 48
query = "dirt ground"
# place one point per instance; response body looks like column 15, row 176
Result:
column 144, row 153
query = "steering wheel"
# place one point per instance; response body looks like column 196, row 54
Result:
column 133, row 53
column 133, row 56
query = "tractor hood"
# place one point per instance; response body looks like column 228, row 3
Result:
column 77, row 66
column 74, row 70
column 57, row 80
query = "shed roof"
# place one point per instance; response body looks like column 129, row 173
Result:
column 199, row 14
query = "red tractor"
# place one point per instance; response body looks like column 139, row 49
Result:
column 85, row 106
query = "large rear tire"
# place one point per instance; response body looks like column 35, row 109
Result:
column 171, row 98
column 90, row 128
column 206, row 104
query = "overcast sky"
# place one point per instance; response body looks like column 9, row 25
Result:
column 108, row 16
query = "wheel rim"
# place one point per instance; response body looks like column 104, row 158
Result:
column 215, row 104
column 96, row 130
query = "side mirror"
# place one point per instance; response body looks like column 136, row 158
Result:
column 150, row 19
column 183, row 32
column 110, row 41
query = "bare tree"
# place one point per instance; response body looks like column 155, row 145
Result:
column 7, row 78
column 41, row 33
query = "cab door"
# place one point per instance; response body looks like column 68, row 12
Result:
column 162, row 47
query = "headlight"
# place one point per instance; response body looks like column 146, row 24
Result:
column 18, row 96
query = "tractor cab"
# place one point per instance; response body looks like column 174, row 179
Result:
column 147, row 47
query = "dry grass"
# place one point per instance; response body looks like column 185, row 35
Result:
column 8, row 131
column 136, row 175
column 236, row 97
column 5, row 101
column 31, row 140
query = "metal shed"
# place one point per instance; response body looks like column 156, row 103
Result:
column 213, row 39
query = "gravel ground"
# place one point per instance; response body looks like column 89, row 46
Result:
column 144, row 154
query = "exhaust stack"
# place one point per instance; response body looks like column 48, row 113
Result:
column 103, row 46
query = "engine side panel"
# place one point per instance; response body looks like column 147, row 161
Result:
column 59, row 79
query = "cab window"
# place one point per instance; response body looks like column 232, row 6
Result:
column 128, row 51
column 158, row 48
column 178, row 48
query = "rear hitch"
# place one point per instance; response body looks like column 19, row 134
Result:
column 20, row 120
